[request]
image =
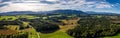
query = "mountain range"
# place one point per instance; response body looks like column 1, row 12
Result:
column 59, row 11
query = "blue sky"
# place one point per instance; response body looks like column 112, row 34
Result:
column 113, row 1
column 47, row 5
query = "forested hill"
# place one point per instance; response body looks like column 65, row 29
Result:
column 45, row 12
column 58, row 12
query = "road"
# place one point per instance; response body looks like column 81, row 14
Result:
column 38, row 34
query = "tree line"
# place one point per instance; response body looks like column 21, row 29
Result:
column 92, row 27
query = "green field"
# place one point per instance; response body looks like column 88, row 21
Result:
column 17, row 17
column 60, row 34
column 57, row 34
column 117, row 36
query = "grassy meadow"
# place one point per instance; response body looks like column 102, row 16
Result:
column 57, row 34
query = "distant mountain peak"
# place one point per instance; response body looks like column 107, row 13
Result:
column 68, row 11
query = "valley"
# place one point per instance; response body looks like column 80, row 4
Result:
column 59, row 25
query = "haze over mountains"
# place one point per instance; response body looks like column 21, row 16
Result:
column 58, row 11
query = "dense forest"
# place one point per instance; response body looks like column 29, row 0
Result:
column 44, row 27
column 94, row 27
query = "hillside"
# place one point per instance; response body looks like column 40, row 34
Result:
column 59, row 24
column 68, row 11
column 17, row 31
column 44, row 12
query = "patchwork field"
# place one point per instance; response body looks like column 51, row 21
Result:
column 17, row 17
column 64, row 25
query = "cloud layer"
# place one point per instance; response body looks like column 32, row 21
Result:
column 46, row 5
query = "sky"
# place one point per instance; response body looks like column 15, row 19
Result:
column 48, row 5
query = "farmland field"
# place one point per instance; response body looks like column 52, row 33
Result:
column 57, row 34
column 62, row 26
column 17, row 17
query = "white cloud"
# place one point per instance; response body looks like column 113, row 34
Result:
column 62, row 4
column 103, row 6
column 24, row 7
column 52, row 0
column 0, row 1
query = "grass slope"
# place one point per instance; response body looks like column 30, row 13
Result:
column 117, row 36
column 17, row 17
column 57, row 34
